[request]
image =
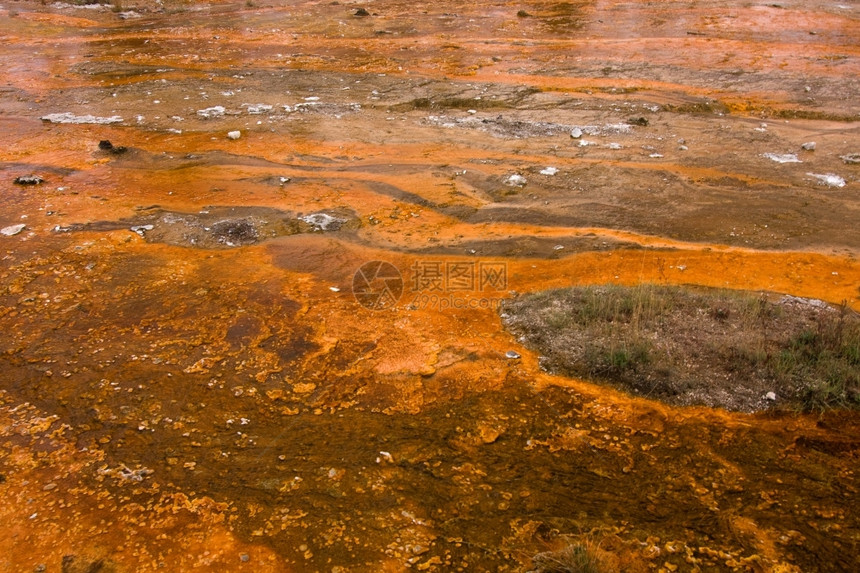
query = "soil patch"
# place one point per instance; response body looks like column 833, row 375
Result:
column 735, row 350
column 223, row 227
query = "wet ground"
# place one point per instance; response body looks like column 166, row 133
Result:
column 190, row 383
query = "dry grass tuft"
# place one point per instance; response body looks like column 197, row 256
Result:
column 686, row 346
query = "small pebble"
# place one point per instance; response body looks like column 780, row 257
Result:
column 512, row 354
column 576, row 133
column 244, row 558
column 12, row 230
column 29, row 180
column 515, row 180
column 808, row 146
column 234, row 135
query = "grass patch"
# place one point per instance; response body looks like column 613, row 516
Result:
column 730, row 349
column 574, row 558
column 587, row 554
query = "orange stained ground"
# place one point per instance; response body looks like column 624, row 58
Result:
column 166, row 407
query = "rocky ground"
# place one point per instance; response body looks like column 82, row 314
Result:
column 188, row 381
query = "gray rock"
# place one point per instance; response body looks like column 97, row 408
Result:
column 12, row 230
column 29, row 180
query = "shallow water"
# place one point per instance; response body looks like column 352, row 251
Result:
column 209, row 394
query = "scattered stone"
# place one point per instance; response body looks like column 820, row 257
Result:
column 640, row 121
column 234, row 135
column 523, row 14
column 361, row 13
column 244, row 557
column 512, row 355
column 515, row 180
column 283, row 180
column 210, row 112
column 829, row 179
column 614, row 146
column 257, row 109
column 808, row 146
column 851, row 158
column 549, row 171
column 80, row 119
column 817, row 303
column 782, row 158
column 142, row 229
column 770, row 396
column 106, row 145
column 29, row 180
column 12, row 230
column 575, row 133
column 49, row 486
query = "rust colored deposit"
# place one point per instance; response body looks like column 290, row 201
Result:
column 253, row 255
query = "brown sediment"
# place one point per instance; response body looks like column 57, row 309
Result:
column 229, row 405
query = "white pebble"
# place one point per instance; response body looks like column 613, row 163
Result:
column 12, row 230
